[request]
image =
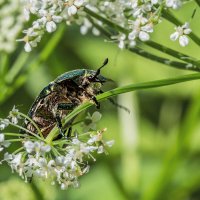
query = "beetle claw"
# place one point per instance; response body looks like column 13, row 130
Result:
column 96, row 102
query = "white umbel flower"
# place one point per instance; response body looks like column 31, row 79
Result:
column 181, row 34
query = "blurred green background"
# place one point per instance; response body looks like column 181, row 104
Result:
column 156, row 155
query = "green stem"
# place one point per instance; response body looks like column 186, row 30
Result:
column 33, row 123
column 173, row 53
column 18, row 150
column 26, row 130
column 121, row 90
column 186, row 58
column 59, row 142
column 4, row 64
column 198, row 2
column 106, row 21
column 14, row 140
column 36, row 191
column 16, row 67
column 175, row 64
column 14, row 134
column 171, row 18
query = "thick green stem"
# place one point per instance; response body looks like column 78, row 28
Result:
column 121, row 90
column 170, row 17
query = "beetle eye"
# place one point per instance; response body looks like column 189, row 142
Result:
column 90, row 77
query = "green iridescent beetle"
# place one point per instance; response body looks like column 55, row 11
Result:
column 61, row 96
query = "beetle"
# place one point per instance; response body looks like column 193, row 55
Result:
column 61, row 96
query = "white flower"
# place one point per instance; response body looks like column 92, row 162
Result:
column 27, row 47
column 14, row 115
column 143, row 36
column 73, row 6
column 110, row 143
column 121, row 39
column 30, row 6
column 4, row 123
column 141, row 29
column 51, row 26
column 3, row 142
column 181, row 32
column 49, row 19
column 29, row 146
column 39, row 148
column 175, row 4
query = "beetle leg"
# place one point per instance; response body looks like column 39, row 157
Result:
column 66, row 106
column 69, row 132
column 59, row 124
column 63, row 106
column 96, row 102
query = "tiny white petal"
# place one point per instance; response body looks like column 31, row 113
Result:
column 183, row 40
column 144, row 36
column 27, row 47
column 78, row 3
column 100, row 150
column 187, row 31
column 72, row 10
column 110, row 143
column 51, row 26
column 57, row 19
column 2, row 137
column 174, row 36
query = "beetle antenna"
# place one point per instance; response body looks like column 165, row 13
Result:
column 99, row 70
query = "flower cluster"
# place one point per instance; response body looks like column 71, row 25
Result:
column 133, row 20
column 11, row 24
column 61, row 161
column 49, row 13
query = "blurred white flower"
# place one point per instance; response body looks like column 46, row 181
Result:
column 11, row 24
column 175, row 4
